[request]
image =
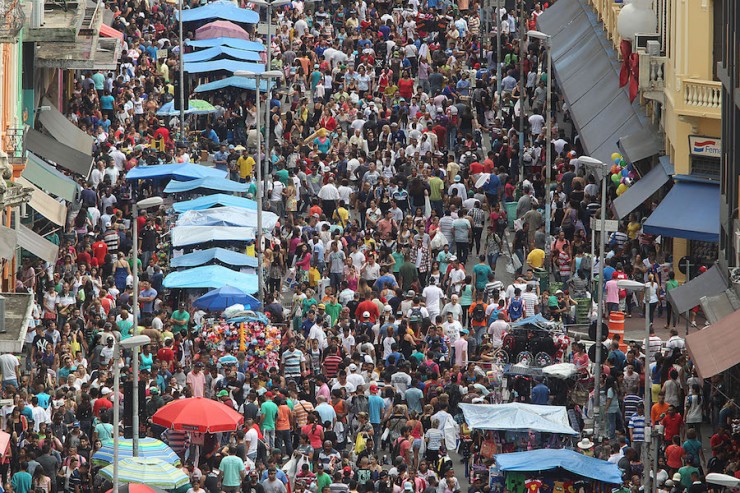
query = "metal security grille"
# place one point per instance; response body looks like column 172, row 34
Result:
column 707, row 167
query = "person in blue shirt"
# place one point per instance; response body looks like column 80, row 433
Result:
column 376, row 408
column 540, row 393
column 491, row 189
column 21, row 480
column 210, row 134
column 385, row 279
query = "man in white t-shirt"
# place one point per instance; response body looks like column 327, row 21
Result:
column 536, row 123
column 432, row 295
column 251, row 439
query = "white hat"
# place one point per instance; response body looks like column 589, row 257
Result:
column 369, row 359
column 387, row 308
column 105, row 391
column 352, row 367
column 585, row 444
column 365, row 314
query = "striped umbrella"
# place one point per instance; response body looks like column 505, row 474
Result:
column 151, row 472
column 149, row 448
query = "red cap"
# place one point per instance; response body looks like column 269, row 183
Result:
column 476, row 66
column 268, row 394
column 347, row 469
column 373, row 388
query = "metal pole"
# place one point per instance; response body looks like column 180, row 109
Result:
column 498, row 54
column 182, row 76
column 135, row 356
column 648, row 393
column 116, row 413
column 522, row 53
column 593, row 254
column 258, row 247
column 548, row 156
column 268, row 120
column 688, row 278
column 600, row 312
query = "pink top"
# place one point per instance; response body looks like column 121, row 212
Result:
column 612, row 291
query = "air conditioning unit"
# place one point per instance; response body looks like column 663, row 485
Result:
column 653, row 48
column 37, row 14
column 641, row 40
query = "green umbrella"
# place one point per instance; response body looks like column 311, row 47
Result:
column 151, row 472
column 200, row 106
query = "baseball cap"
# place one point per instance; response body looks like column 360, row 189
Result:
column 105, row 391
column 407, row 486
column 369, row 359
column 223, row 393
column 347, row 470
column 373, row 388
column 352, row 367
column 154, row 390
column 365, row 314
column 76, row 424
column 322, row 306
column 387, row 308
column 268, row 394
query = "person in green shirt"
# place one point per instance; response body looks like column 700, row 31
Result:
column 180, row 319
column 408, row 273
column 670, row 284
column 282, row 175
column 480, row 273
column 232, row 471
column 124, row 324
column 398, row 258
column 268, row 413
column 21, row 480
column 436, row 189
column 322, row 479
column 443, row 257
column 333, row 309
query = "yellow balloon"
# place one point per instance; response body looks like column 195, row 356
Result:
column 616, row 155
column 621, row 189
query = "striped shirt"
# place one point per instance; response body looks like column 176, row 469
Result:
column 630, row 405
column 478, row 216
column 301, row 409
column 292, row 363
column 637, row 425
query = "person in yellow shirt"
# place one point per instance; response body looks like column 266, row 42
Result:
column 341, row 214
column 536, row 258
column 633, row 227
column 246, row 165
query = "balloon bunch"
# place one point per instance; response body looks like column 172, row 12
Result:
column 621, row 173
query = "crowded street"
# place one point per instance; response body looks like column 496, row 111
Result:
column 342, row 246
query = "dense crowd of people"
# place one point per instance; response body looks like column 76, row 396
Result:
column 393, row 273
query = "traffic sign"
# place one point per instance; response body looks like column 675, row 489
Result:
column 611, row 225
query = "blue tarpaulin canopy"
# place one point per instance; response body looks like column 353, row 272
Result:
column 537, row 320
column 518, row 417
column 227, row 65
column 217, row 51
column 203, row 257
column 690, row 211
column 221, row 9
column 238, row 43
column 221, row 298
column 211, row 276
column 220, row 184
column 644, row 188
column 177, row 171
column 192, row 235
column 208, row 201
column 233, row 81
column 546, row 459
column 228, row 216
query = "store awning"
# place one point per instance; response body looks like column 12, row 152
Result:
column 227, row 216
column 45, row 204
column 226, row 65
column 64, row 130
column 217, row 51
column 211, row 276
column 176, row 171
column 716, row 348
column 8, row 242
column 640, row 145
column 644, row 188
column 687, row 296
column 587, row 71
column 53, row 150
column 690, row 211
column 202, row 257
column 233, row 81
column 242, row 44
column 37, row 244
column 210, row 183
column 220, row 9
column 208, row 201
column 570, row 460
column 49, row 179
column 91, row 53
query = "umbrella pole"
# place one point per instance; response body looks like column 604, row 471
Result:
column 116, row 413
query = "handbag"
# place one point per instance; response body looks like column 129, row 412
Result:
column 385, row 434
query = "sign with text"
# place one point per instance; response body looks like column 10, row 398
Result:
column 700, row 145
column 611, row 225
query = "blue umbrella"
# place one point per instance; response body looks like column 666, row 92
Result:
column 221, row 298
column 228, row 360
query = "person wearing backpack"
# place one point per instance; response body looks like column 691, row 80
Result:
column 402, row 446
column 516, row 306
column 478, row 320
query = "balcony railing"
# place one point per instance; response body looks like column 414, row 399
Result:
column 702, row 98
column 652, row 75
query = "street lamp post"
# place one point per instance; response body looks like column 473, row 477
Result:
column 143, row 204
column 182, row 74
column 600, row 169
column 133, row 342
column 498, row 54
column 546, row 38
column 270, row 74
column 638, row 286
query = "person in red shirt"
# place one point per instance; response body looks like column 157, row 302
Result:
column 100, row 250
column 405, row 86
column 673, row 423
column 166, row 355
column 369, row 307
column 674, row 454
column 103, row 402
column 722, row 440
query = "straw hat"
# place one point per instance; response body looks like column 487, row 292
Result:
column 585, row 444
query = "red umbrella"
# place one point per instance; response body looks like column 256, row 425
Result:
column 137, row 488
column 198, row 414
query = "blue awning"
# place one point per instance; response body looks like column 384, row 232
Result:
column 177, row 171
column 208, row 201
column 690, row 211
column 571, row 461
column 216, row 51
column 183, row 236
column 644, row 188
column 241, row 44
column 210, row 183
column 226, row 65
column 211, row 276
column 203, row 257
column 222, row 9
column 233, row 81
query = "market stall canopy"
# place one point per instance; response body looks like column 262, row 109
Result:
column 227, row 65
column 4, row 442
column 221, row 29
column 195, row 107
column 644, row 188
column 152, row 472
column 238, row 82
column 203, row 257
column 210, row 183
column 723, row 480
column 198, row 414
column 8, row 242
column 49, row 179
column 208, row 201
column 45, row 204
column 228, row 216
column 220, row 9
column 221, row 298
column 217, row 51
column 241, row 44
column 192, row 235
column 518, row 417
column 149, row 448
column 176, row 171
column 37, row 244
column 716, row 348
column 63, row 155
column 536, row 320
column 211, row 276
column 690, row 211
column 687, row 296
column 64, row 130
column 571, row 461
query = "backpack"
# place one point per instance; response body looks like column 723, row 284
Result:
column 415, row 314
column 396, row 449
column 587, row 263
column 515, row 309
column 479, row 313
